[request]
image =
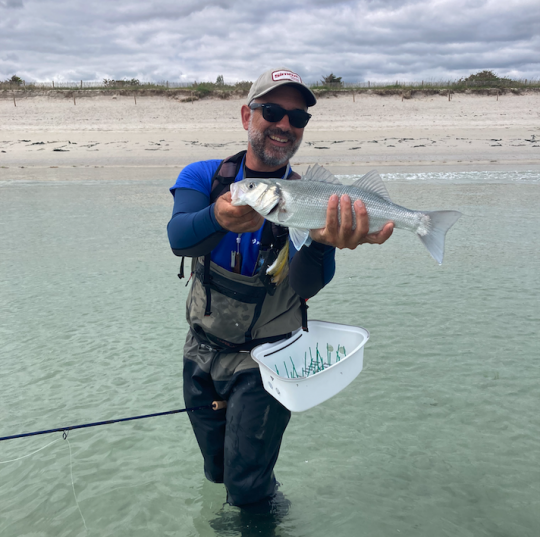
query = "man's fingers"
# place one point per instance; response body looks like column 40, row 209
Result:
column 362, row 221
column 386, row 231
column 381, row 236
column 332, row 222
column 346, row 215
column 236, row 219
column 254, row 222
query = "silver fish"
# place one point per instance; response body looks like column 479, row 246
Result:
column 301, row 205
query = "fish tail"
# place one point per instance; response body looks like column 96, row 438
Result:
column 433, row 230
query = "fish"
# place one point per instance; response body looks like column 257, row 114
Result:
column 301, row 205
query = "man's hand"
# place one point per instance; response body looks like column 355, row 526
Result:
column 343, row 235
column 241, row 219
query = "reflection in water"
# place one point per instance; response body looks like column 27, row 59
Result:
column 231, row 519
column 267, row 520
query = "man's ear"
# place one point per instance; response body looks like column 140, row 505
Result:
column 246, row 114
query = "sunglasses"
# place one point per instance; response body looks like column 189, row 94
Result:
column 273, row 113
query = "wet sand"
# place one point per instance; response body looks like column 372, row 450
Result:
column 426, row 133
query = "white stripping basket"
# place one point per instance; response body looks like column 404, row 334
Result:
column 288, row 368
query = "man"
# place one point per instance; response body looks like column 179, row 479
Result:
column 233, row 305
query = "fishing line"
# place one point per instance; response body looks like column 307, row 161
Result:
column 65, row 436
column 216, row 405
column 30, row 454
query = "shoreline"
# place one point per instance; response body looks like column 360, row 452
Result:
column 193, row 94
column 68, row 174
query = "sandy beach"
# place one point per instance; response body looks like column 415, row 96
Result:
column 428, row 133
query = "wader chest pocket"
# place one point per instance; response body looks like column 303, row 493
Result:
column 236, row 303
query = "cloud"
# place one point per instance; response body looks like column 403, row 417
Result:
column 11, row 4
column 201, row 39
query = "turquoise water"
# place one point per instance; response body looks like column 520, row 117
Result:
column 439, row 435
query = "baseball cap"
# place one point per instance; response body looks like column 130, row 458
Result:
column 274, row 78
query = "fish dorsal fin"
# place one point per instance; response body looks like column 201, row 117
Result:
column 372, row 182
column 319, row 174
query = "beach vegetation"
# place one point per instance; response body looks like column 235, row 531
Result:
column 332, row 81
column 14, row 81
column 485, row 79
column 110, row 83
column 332, row 85
column 244, row 85
column 203, row 89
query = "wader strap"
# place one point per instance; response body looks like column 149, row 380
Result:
column 221, row 345
column 227, row 172
column 206, row 284
column 181, row 271
column 225, row 175
column 303, row 309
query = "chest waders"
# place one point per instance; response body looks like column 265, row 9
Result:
column 234, row 312
column 229, row 313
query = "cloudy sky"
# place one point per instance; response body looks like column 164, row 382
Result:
column 187, row 40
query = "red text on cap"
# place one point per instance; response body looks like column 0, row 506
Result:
column 286, row 75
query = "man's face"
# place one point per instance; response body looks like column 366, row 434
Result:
column 274, row 144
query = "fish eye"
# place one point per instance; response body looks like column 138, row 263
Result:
column 251, row 185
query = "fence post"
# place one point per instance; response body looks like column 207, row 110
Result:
column 74, row 103
column 135, row 97
column 14, row 101
column 53, row 84
column 81, row 84
column 368, row 84
column 353, row 97
column 167, row 84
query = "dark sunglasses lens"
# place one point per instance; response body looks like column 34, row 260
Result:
column 273, row 113
column 298, row 118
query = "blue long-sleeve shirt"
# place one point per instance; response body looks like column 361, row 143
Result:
column 194, row 231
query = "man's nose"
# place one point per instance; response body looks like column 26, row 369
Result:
column 283, row 123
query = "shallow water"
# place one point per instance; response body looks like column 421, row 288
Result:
column 437, row 436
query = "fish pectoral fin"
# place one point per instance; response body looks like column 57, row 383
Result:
column 372, row 182
column 321, row 175
column 299, row 237
column 283, row 215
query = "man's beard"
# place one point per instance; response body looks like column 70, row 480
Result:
column 271, row 155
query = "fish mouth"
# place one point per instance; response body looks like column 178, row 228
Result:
column 235, row 193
